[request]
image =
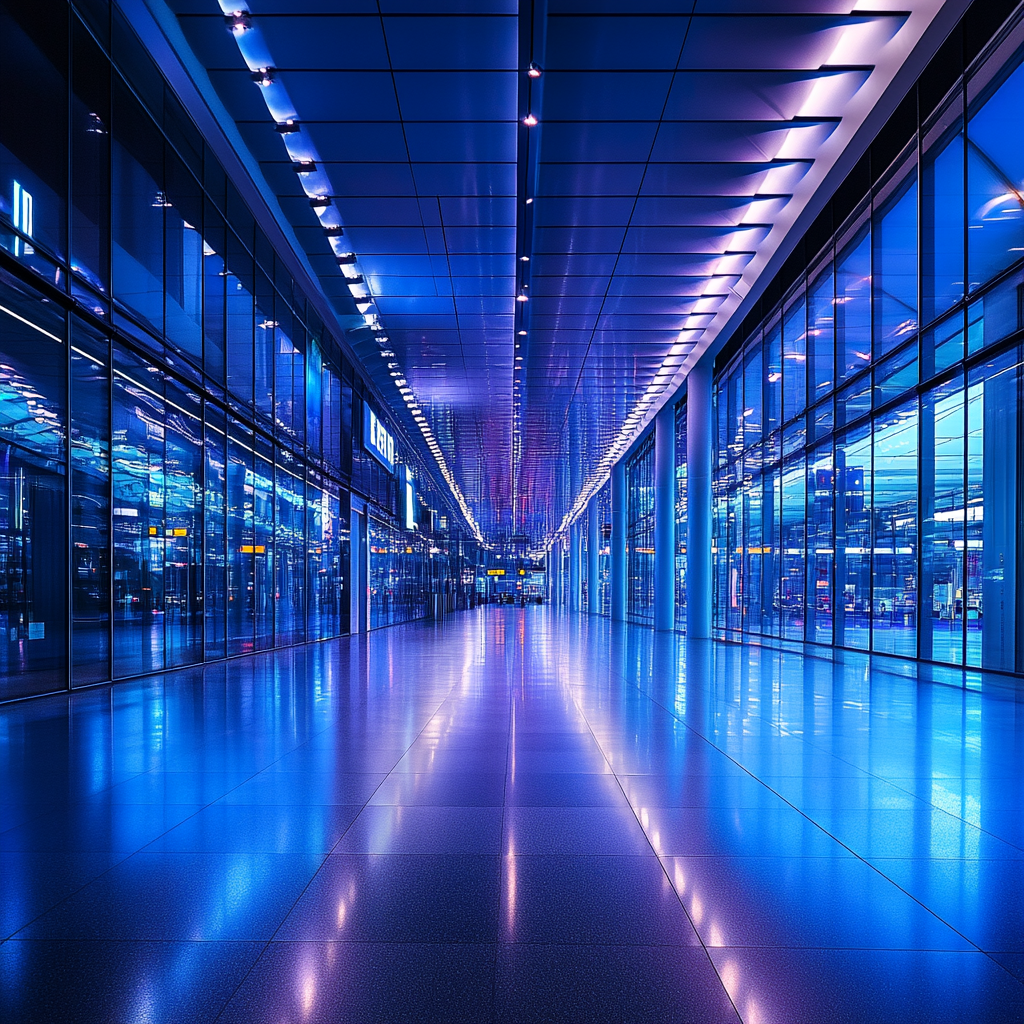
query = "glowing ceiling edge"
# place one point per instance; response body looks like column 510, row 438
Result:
column 888, row 64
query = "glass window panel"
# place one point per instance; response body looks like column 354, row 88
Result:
column 853, row 305
column 820, row 545
column 215, row 584
column 792, row 550
column 289, row 551
column 263, row 536
column 943, row 520
column 681, row 520
column 853, row 401
column 770, row 553
column 993, row 519
column 90, row 505
column 33, row 574
column 241, row 544
column 895, row 375
column 90, row 161
column 995, row 171
column 183, row 527
column 942, row 227
column 239, row 323
column 138, row 201
column 794, row 360
column 895, row 267
column 34, row 129
column 138, row 517
column 33, row 384
column 852, row 613
column 752, row 411
column 183, row 259
column 215, row 277
column 773, row 378
column 821, row 335
column 751, row 545
column 265, row 347
column 997, row 314
column 640, row 531
column 942, row 346
column 894, row 506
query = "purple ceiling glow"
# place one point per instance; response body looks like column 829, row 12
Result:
column 673, row 154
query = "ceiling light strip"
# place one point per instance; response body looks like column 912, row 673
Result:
column 317, row 186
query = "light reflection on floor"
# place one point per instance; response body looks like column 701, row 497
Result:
column 516, row 816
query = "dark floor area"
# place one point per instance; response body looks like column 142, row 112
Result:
column 516, row 816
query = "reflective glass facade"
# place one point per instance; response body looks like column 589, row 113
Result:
column 680, row 516
column 867, row 467
column 640, row 533
column 179, row 433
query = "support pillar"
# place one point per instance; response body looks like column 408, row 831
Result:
column 618, row 545
column 665, row 519
column 698, row 502
column 593, row 558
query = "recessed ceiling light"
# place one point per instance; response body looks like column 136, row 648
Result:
column 528, row 201
column 524, row 259
column 522, row 334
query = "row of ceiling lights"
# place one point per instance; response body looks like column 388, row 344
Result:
column 318, row 189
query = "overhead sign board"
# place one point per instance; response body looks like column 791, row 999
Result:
column 495, row 572
column 377, row 440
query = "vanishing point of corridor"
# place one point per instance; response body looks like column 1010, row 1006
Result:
column 516, row 815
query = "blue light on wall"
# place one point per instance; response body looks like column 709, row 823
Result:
column 377, row 440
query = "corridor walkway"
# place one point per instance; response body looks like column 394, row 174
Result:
column 516, row 816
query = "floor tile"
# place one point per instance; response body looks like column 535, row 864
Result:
column 183, row 896
column 442, row 789
column 609, row 985
column 826, row 902
column 581, row 830
column 424, row 830
column 248, row 828
column 359, row 982
column 780, row 986
column 399, row 898
column 75, row 982
column 574, row 899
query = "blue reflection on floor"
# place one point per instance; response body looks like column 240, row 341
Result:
column 517, row 816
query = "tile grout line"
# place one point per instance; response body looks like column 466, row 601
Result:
column 330, row 852
column 818, row 826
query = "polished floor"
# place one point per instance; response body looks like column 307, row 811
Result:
column 516, row 816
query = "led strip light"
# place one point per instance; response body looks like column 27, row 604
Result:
column 317, row 186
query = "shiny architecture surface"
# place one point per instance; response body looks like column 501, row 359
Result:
column 517, row 816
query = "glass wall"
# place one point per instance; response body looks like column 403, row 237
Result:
column 868, row 433
column 680, row 567
column 640, row 534
column 177, row 445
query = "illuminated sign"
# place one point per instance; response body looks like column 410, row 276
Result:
column 408, row 496
column 377, row 440
column 495, row 572
column 24, row 218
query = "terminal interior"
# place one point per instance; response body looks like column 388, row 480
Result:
column 512, row 511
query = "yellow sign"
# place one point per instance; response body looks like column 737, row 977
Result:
column 495, row 572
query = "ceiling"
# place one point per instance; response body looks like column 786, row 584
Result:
column 677, row 146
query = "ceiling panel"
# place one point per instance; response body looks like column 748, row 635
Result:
column 673, row 141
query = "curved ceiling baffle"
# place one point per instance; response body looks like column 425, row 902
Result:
column 623, row 204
